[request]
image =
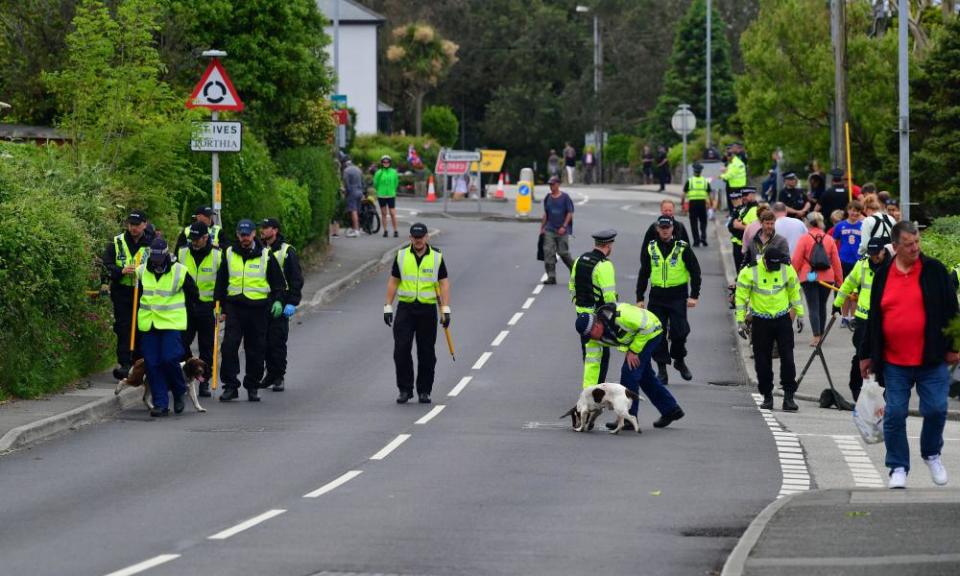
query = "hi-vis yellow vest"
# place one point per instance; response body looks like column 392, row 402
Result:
column 213, row 231
column 163, row 305
column 670, row 271
column 124, row 258
column 418, row 283
column 697, row 188
column 248, row 277
column 205, row 275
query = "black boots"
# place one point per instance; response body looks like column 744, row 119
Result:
column 423, row 398
column 278, row 385
column 178, row 404
column 788, row 404
column 767, row 403
column 229, row 394
column 681, row 367
column 666, row 419
column 404, row 396
column 662, row 373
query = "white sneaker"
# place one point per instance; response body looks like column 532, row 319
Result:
column 898, row 478
column 352, row 233
column 937, row 471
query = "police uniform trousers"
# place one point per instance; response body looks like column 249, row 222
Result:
column 737, row 256
column 766, row 332
column 122, row 299
column 604, row 357
column 162, row 352
column 673, row 316
column 856, row 379
column 698, row 221
column 645, row 379
column 278, row 330
column 201, row 324
column 415, row 320
column 246, row 324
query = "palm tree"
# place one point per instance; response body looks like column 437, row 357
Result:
column 424, row 57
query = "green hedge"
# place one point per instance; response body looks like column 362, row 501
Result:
column 314, row 168
column 368, row 149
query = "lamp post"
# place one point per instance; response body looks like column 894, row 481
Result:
column 903, row 125
column 214, row 157
column 597, row 58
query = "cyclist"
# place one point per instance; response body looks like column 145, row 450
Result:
column 353, row 182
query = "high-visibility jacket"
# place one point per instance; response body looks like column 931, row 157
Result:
column 770, row 294
column 670, row 271
column 697, row 188
column 214, row 232
column 858, row 281
column 125, row 258
column 248, row 277
column 418, row 282
column 750, row 216
column 204, row 273
column 593, row 281
column 736, row 174
column 633, row 327
column 163, row 305
column 280, row 254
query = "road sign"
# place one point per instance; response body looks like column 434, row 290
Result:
column 683, row 121
column 217, row 137
column 491, row 161
column 524, row 197
column 452, row 168
column 462, row 155
column 339, row 101
column 215, row 91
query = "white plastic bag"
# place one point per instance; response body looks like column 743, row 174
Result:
column 868, row 413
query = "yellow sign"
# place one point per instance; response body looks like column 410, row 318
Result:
column 524, row 197
column 491, row 161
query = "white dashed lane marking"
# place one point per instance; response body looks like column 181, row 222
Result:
column 429, row 415
column 482, row 360
column 537, row 289
column 246, row 525
column 145, row 565
column 335, row 484
column 516, row 318
column 795, row 476
column 386, row 450
column 500, row 337
column 460, row 386
column 528, row 303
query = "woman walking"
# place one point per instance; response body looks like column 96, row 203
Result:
column 816, row 259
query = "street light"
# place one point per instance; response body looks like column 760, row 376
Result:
column 597, row 57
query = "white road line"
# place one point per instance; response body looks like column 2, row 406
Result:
column 626, row 207
column 145, row 565
column 859, row 463
column 460, row 386
column 544, row 277
column 246, row 524
column 794, row 473
column 335, row 484
column 400, row 439
column 482, row 360
column 429, row 415
column 584, row 201
column 538, row 288
column 528, row 303
column 499, row 339
column 516, row 318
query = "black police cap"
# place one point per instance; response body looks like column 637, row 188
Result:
column 270, row 223
column 664, row 222
column 418, row 230
column 198, row 230
column 605, row 236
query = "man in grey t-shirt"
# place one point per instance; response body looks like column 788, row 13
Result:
column 353, row 183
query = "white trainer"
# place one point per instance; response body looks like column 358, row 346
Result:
column 351, row 233
column 898, row 478
column 937, row 471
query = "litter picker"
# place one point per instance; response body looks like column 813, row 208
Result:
column 838, row 400
column 136, row 302
column 216, row 345
column 446, row 330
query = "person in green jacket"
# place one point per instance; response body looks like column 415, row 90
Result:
column 385, row 181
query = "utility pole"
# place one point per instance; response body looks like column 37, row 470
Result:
column 903, row 123
column 597, row 62
column 709, row 65
column 336, row 43
column 838, row 22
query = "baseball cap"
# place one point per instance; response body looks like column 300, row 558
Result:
column 246, row 227
column 198, row 230
column 204, row 211
column 158, row 249
column 553, row 180
column 418, row 230
column 874, row 246
column 664, row 222
column 136, row 217
column 270, row 223
column 584, row 323
column 774, row 255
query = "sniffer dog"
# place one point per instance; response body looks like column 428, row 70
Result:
column 594, row 399
column 193, row 370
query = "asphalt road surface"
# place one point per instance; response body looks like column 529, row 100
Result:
column 491, row 483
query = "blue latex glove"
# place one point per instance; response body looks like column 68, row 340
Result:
column 289, row 310
column 276, row 310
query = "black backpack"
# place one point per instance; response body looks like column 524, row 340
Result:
column 881, row 228
column 818, row 256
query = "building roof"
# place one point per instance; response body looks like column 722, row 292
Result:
column 350, row 12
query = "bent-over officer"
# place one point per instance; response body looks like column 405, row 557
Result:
column 278, row 329
column 419, row 273
column 771, row 289
column 203, row 215
column 637, row 332
column 670, row 265
column 120, row 260
column 593, row 281
column 202, row 261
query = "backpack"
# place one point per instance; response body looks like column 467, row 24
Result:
column 818, row 256
column 881, row 225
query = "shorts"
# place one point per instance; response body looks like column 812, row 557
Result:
column 387, row 202
column 353, row 201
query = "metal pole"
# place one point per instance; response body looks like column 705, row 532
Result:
column 709, row 66
column 443, row 179
column 779, row 183
column 904, row 112
column 479, row 184
column 684, row 159
column 598, row 131
column 838, row 19
column 336, row 44
column 215, row 177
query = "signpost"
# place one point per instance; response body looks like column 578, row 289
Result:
column 683, row 123
column 491, row 161
column 342, row 117
column 459, row 162
column 217, row 137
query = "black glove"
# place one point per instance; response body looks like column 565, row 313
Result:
column 837, row 310
column 445, row 316
column 388, row 315
column 742, row 330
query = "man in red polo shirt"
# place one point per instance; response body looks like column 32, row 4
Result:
column 911, row 303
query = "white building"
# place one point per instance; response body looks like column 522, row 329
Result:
column 358, row 57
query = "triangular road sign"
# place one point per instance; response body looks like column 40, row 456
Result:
column 215, row 90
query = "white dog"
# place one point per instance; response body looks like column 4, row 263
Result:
column 192, row 373
column 594, row 399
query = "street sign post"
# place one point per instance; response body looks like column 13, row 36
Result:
column 217, row 137
column 462, row 155
column 341, row 116
column 683, row 123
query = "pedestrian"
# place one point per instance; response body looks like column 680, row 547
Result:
column 912, row 302
column 418, row 278
column 121, row 257
column 204, row 215
column 672, row 270
column 250, row 286
column 647, row 160
column 593, row 282
column 662, row 166
column 553, row 165
column 589, row 164
column 794, row 199
column 637, row 331
column 771, row 290
column 816, row 183
column 836, row 197
column 202, row 261
column 570, row 163
column 699, row 199
column 876, row 224
column 847, row 236
column 768, row 189
column 278, row 329
column 735, row 172
column 556, row 225
column 386, row 181
column 668, row 208
column 792, row 229
column 167, row 291
column 893, row 210
column 736, row 235
column 765, row 238
column 856, row 288
column 353, row 184
column 753, row 228
column 816, row 259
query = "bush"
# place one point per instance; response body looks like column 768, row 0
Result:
column 293, row 211
column 314, row 168
column 441, row 123
column 366, row 150
column 617, row 150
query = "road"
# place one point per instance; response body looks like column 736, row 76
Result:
column 491, row 483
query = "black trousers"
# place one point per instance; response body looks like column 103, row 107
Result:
column 122, row 299
column 415, row 321
column 247, row 325
column 604, row 357
column 737, row 256
column 856, row 380
column 673, row 316
column 698, row 221
column 278, row 330
column 767, row 332
column 201, row 324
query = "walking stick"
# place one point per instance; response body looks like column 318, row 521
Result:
column 838, row 399
column 216, row 344
column 136, row 298
column 446, row 330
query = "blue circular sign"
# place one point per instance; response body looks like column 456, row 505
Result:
column 524, row 189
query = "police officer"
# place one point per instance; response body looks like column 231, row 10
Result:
column 278, row 329
column 772, row 291
column 836, row 197
column 857, row 284
column 120, row 260
column 204, row 215
column 202, row 262
column 638, row 331
column 736, row 234
column 419, row 272
column 746, row 215
column 167, row 291
column 593, row 281
column 250, row 285
column 697, row 195
column 795, row 199
column 670, row 266
column 735, row 172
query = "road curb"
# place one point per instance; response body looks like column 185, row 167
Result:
column 737, row 559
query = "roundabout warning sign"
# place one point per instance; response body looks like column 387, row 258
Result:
column 215, row 91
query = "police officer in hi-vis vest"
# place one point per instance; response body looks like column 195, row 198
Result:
column 250, row 285
column 120, row 260
column 278, row 329
column 202, row 261
column 204, row 215
column 697, row 196
column 593, row 281
column 419, row 272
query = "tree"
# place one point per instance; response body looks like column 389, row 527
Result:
column 424, row 57
column 441, row 123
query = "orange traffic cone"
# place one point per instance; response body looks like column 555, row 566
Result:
column 500, row 195
column 508, row 178
column 431, row 191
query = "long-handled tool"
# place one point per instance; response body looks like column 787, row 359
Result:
column 136, row 302
column 446, row 330
column 216, row 344
column 838, row 400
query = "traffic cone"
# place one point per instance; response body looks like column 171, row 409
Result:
column 508, row 178
column 431, row 191
column 499, row 195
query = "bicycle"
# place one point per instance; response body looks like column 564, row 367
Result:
column 369, row 215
